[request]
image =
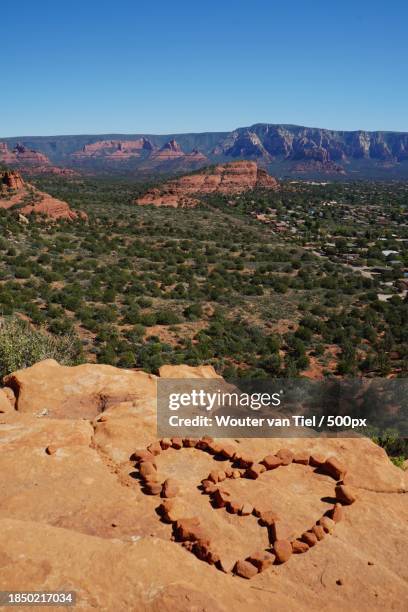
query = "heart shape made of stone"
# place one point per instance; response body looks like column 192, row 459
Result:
column 189, row 530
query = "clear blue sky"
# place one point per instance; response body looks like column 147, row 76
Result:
column 162, row 66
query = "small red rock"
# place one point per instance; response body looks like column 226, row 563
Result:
column 149, row 478
column 345, row 495
column 245, row 461
column 316, row 460
column 208, row 486
column 214, row 448
column 234, row 506
column 327, row 523
column 221, row 498
column 201, row 445
column 190, row 442
column 188, row 529
column 337, row 513
column 146, row 468
column 165, row 443
column 261, row 559
column 267, row 517
column 318, row 531
column 255, row 471
column 299, row 547
column 302, row 458
column 310, row 538
column 153, row 488
column 245, row 569
column 142, row 455
column 271, row 462
column 165, row 507
column 285, row 455
column 167, row 504
column 246, row 509
column 213, row 476
column 283, row 550
column 228, row 451
column 204, row 552
column 177, row 443
column 210, row 489
column 216, row 476
column 51, row 449
column 170, row 488
column 155, row 448
column 334, row 468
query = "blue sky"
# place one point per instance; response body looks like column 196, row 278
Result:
column 165, row 66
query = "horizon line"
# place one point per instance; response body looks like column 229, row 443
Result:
column 189, row 132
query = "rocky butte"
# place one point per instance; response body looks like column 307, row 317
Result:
column 22, row 156
column 168, row 151
column 82, row 506
column 172, row 158
column 228, row 179
column 23, row 198
column 29, row 160
column 113, row 149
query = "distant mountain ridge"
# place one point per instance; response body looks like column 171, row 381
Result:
column 285, row 150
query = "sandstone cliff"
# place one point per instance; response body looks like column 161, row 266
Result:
column 23, row 198
column 22, row 156
column 113, row 150
column 29, row 160
column 232, row 178
column 170, row 150
column 75, row 513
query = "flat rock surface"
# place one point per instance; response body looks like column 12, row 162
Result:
column 78, row 518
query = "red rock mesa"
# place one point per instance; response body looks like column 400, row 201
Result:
column 232, row 178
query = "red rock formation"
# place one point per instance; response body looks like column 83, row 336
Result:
column 171, row 150
column 232, row 178
column 29, row 157
column 196, row 156
column 143, row 150
column 52, row 208
column 6, row 156
column 29, row 161
column 12, row 180
column 26, row 199
column 113, row 149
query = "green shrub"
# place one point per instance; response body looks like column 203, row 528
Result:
column 21, row 346
column 167, row 317
column 399, row 461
